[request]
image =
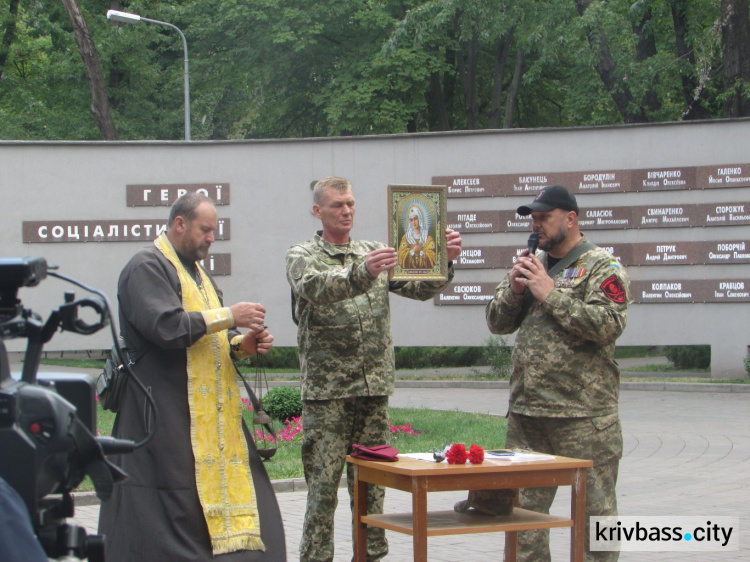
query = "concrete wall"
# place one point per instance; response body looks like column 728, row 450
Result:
column 271, row 200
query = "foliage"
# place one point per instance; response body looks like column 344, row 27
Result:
column 747, row 364
column 276, row 358
column 283, row 402
column 498, row 354
column 436, row 357
column 689, row 356
column 272, row 68
column 628, row 351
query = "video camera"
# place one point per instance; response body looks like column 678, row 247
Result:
column 48, row 422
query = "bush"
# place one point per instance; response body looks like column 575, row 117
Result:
column 277, row 358
column 283, row 402
column 689, row 356
column 498, row 356
column 435, row 357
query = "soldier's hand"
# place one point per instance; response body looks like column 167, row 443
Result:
column 530, row 273
column 248, row 314
column 518, row 280
column 382, row 259
column 453, row 243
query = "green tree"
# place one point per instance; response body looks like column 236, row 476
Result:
column 294, row 68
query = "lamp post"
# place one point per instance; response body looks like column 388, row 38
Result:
column 125, row 17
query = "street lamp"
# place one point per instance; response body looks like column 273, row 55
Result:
column 125, row 17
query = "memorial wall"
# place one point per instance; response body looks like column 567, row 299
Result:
column 622, row 219
column 670, row 201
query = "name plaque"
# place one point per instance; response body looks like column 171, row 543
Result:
column 733, row 175
column 113, row 230
column 218, row 264
column 158, row 195
column 642, row 292
column 503, row 185
column 466, row 293
column 629, row 254
column 690, row 291
column 598, row 181
column 487, row 257
column 474, row 221
column 611, row 218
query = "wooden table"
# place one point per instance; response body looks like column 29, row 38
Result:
column 420, row 477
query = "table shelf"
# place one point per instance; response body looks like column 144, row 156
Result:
column 453, row 523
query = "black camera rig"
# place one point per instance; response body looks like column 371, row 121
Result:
column 48, row 422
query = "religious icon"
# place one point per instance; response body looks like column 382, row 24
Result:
column 416, row 230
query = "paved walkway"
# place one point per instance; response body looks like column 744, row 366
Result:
column 686, row 453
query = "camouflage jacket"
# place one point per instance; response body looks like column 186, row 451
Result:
column 344, row 318
column 563, row 356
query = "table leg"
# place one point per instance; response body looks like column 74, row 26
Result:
column 578, row 514
column 419, row 518
column 511, row 537
column 360, row 509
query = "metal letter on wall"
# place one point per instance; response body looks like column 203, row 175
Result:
column 155, row 195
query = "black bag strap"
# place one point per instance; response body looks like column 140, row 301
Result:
column 131, row 358
column 253, row 399
column 570, row 258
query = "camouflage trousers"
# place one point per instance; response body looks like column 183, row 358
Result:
column 598, row 439
column 330, row 429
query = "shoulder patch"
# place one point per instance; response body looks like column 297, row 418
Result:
column 613, row 289
column 615, row 264
column 298, row 268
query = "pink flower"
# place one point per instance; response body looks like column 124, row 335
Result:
column 402, row 428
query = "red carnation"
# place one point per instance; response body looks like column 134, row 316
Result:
column 456, row 454
column 476, row 454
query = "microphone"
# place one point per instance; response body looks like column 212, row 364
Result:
column 533, row 243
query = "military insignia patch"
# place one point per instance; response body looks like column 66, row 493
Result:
column 613, row 289
column 298, row 268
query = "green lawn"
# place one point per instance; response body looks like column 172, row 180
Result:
column 434, row 428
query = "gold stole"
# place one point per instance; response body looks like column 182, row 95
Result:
column 222, row 469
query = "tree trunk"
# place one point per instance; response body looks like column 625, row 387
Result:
column 735, row 42
column 99, row 102
column 645, row 49
column 437, row 103
column 469, row 82
column 630, row 110
column 515, row 88
column 691, row 88
column 9, row 33
column 503, row 46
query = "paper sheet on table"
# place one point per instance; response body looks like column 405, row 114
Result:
column 417, row 456
column 516, row 457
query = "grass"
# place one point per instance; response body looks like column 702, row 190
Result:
column 434, row 429
column 81, row 362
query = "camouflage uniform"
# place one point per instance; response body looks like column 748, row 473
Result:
column 564, row 389
column 347, row 365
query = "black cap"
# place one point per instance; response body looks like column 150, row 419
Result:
column 548, row 198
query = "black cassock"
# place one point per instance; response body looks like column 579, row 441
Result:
column 155, row 515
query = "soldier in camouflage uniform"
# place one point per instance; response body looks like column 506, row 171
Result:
column 564, row 389
column 340, row 292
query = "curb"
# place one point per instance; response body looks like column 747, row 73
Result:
column 504, row 384
column 279, row 486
